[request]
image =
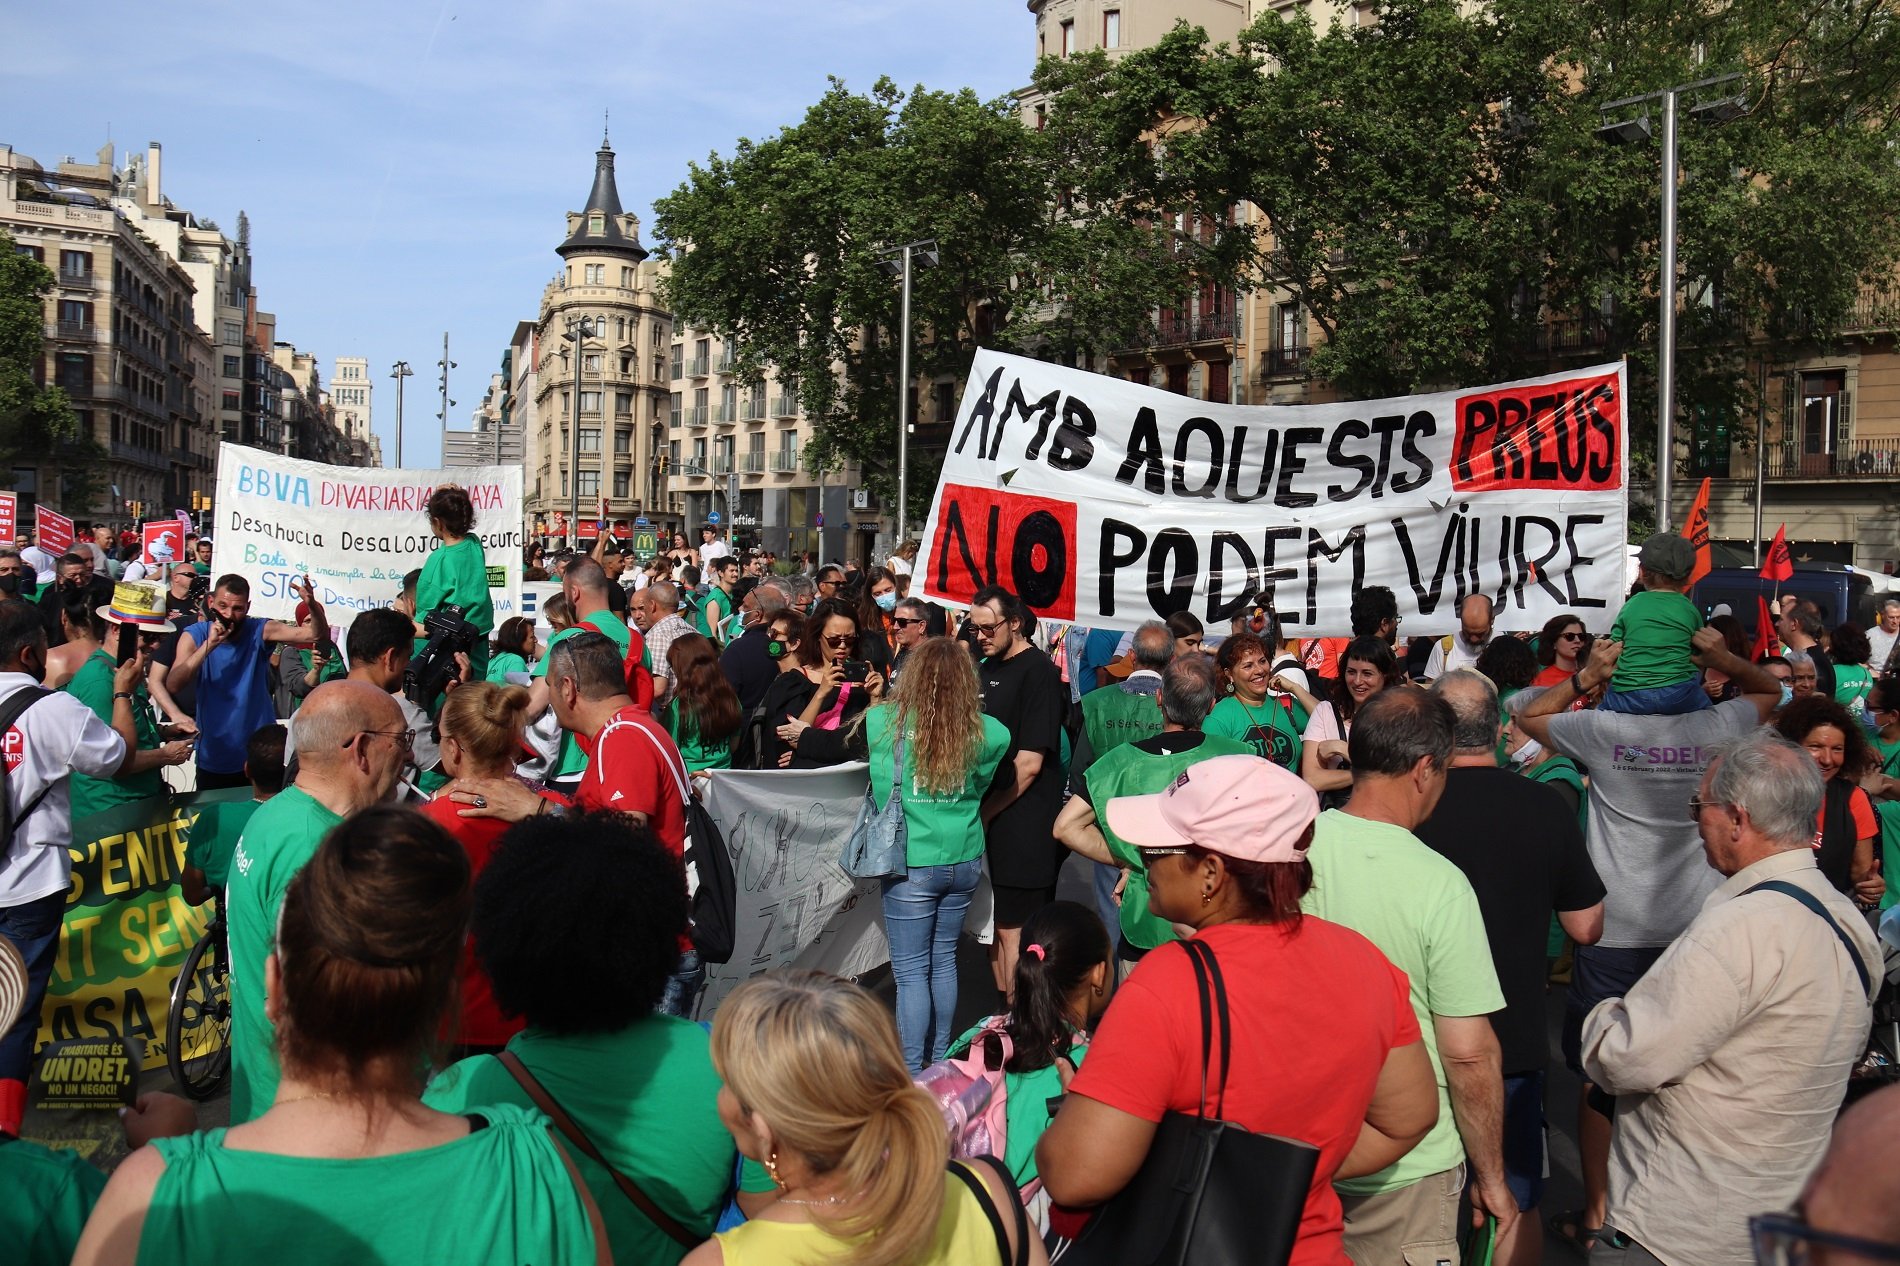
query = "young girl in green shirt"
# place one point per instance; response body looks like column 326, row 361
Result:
column 457, row 572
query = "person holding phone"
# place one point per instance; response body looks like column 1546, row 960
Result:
column 135, row 623
column 842, row 687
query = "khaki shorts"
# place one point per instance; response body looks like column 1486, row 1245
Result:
column 1416, row 1225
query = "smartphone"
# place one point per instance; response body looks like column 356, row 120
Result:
column 856, row 670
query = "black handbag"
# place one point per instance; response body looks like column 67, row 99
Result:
column 1209, row 1191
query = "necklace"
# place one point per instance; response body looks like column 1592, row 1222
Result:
column 325, row 1094
column 827, row 1201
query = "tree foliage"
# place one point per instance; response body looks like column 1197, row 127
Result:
column 33, row 419
column 1432, row 189
column 778, row 249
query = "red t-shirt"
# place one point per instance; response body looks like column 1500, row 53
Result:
column 482, row 1022
column 1315, row 1013
column 1860, row 808
column 628, row 774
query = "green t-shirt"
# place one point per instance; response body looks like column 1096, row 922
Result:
column 281, row 836
column 1851, row 684
column 1267, row 729
column 49, row 1195
column 457, row 573
column 92, row 686
column 646, row 1095
column 1134, row 769
column 1655, row 627
column 573, row 759
column 941, row 830
column 1025, row 1104
column 1888, row 811
column 335, row 665
column 1889, row 756
column 1419, row 909
column 696, row 754
column 498, row 1196
column 214, row 838
column 499, row 666
column 1112, row 716
column 710, row 614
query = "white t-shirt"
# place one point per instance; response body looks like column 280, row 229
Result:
column 55, row 737
column 712, row 549
column 1461, row 655
column 899, row 566
column 1882, row 643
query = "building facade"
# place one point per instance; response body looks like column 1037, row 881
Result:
column 491, row 439
column 352, row 393
column 599, row 397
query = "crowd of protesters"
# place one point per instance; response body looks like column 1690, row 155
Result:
column 462, row 962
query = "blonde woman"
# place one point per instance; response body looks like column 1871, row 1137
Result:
column 816, row 1091
column 950, row 754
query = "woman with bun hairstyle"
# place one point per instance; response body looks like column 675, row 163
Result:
column 481, row 725
column 817, row 1091
column 347, row 1164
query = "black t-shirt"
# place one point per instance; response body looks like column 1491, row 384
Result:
column 617, row 600
column 1519, row 845
column 1025, row 692
column 748, row 667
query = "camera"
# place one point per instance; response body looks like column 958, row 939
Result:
column 430, row 672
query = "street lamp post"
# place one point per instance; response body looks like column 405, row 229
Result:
column 1635, row 130
column 897, row 262
column 579, row 330
column 399, row 371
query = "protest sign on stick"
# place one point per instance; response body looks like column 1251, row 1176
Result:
column 1104, row 503
column 354, row 531
column 56, row 531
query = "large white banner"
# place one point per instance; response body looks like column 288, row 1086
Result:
column 1105, row 503
column 354, row 531
column 785, row 830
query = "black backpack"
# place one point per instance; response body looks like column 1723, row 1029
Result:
column 11, row 710
column 710, row 880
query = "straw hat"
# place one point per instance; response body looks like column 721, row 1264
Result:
column 138, row 603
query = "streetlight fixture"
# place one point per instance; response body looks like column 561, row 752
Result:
column 399, row 371
column 579, row 330
column 1635, row 131
column 898, row 262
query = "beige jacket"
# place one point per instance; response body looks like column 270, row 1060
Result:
column 1729, row 1059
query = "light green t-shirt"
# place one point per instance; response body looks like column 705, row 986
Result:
column 1266, row 729
column 1134, row 770
column 1655, row 627
column 280, row 837
column 646, row 1095
column 92, row 686
column 1888, row 812
column 499, row 666
column 709, row 616
column 696, row 754
column 49, row 1195
column 941, row 830
column 499, row 1196
column 1419, row 909
column 573, row 759
column 457, row 573
column 1889, row 756
column 214, row 837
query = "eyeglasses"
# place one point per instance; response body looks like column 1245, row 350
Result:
column 986, row 630
column 1697, row 804
column 405, row 739
column 1570, row 637
column 839, row 640
column 1784, row 1239
column 905, row 621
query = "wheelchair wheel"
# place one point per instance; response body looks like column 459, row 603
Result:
column 198, row 1028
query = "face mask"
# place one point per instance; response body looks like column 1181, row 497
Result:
column 1787, row 694
column 886, row 601
column 9, row 584
column 775, row 649
column 1528, row 753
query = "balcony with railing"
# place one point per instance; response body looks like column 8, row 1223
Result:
column 696, row 416
column 75, row 331
column 752, row 410
column 1278, row 362
column 1877, row 308
column 140, row 455
column 752, row 462
column 1873, row 458
column 785, row 461
column 1213, row 327
column 726, row 357
column 75, row 280
column 697, row 367
column 721, row 464
column 725, row 414
column 784, row 406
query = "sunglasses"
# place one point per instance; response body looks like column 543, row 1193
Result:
column 986, row 630
column 1570, row 637
column 836, row 641
column 1146, row 853
column 905, row 621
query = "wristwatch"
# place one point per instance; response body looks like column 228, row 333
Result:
column 123, row 694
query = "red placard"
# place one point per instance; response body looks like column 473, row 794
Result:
column 1026, row 544
column 1562, row 435
column 9, row 516
column 171, row 531
column 56, row 531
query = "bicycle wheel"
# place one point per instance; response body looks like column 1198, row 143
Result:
column 198, row 1027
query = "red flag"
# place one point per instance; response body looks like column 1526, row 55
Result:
column 1695, row 530
column 1778, row 566
column 1764, row 630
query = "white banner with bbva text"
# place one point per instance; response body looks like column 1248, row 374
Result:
column 354, row 531
column 1104, row 503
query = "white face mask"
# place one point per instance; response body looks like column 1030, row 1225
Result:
column 1787, row 694
column 1527, row 754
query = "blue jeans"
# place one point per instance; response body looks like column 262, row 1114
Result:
column 923, row 916
column 34, row 930
column 683, row 986
column 1659, row 701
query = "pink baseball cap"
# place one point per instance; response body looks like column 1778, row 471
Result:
column 1241, row 807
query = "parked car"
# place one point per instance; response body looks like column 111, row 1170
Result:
column 1842, row 592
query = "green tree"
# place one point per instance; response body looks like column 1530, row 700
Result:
column 34, row 420
column 778, row 249
column 1433, row 191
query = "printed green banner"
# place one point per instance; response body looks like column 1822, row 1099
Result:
column 128, row 927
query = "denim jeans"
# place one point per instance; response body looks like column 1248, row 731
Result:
column 683, row 986
column 34, row 929
column 1663, row 701
column 923, row 916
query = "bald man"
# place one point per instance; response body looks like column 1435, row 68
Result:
column 351, row 746
column 1855, row 1191
column 1461, row 649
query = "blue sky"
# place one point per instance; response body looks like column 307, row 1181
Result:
column 406, row 166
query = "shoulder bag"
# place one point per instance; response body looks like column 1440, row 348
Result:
column 571, row 1131
column 878, row 842
column 964, row 1173
column 1209, row 1191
